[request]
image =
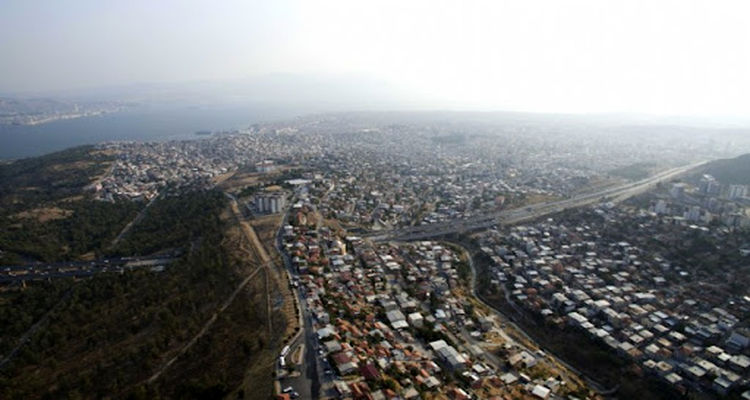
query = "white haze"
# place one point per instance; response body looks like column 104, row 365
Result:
column 653, row 57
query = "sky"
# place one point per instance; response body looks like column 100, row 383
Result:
column 656, row 57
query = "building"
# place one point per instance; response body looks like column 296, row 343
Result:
column 272, row 202
column 541, row 392
column 709, row 185
column 739, row 340
column 449, row 355
column 416, row 319
column 737, row 191
column 678, row 190
column 693, row 214
column 265, row 166
column 661, row 207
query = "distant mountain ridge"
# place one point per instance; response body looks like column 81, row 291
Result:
column 731, row 171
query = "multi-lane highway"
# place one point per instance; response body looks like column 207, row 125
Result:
column 42, row 271
column 517, row 215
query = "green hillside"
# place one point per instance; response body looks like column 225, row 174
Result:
column 731, row 171
column 105, row 336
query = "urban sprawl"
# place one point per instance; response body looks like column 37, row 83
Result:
column 400, row 319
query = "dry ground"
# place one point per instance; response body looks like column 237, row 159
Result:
column 266, row 229
column 45, row 214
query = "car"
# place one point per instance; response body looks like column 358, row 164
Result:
column 288, row 389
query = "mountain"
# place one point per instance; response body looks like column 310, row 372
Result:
column 80, row 324
column 731, row 171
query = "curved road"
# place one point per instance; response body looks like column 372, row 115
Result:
column 589, row 380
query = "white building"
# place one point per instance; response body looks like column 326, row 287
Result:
column 265, row 166
column 737, row 191
column 661, row 207
column 694, row 214
column 678, row 190
column 270, row 202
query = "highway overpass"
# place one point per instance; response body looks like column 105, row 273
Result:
column 517, row 215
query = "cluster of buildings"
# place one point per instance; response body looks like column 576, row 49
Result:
column 391, row 171
column 142, row 170
column 41, row 111
column 399, row 175
column 270, row 201
column 620, row 275
column 705, row 200
column 394, row 321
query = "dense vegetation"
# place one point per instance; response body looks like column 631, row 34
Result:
column 90, row 227
column 173, row 221
column 34, row 181
column 45, row 214
column 104, row 336
column 731, row 171
column 635, row 171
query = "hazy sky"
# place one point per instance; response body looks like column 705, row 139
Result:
column 678, row 57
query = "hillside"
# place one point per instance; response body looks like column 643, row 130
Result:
column 731, row 171
column 198, row 329
column 46, row 213
column 107, row 335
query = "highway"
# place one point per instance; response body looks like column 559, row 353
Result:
column 44, row 271
column 517, row 215
column 308, row 381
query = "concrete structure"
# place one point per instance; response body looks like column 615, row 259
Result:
column 271, row 203
column 265, row 166
column 737, row 191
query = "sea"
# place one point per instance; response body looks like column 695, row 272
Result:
column 140, row 123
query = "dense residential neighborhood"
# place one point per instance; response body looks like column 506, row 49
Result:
column 396, row 321
column 643, row 282
column 384, row 175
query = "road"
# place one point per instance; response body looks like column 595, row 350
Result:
column 617, row 193
column 307, row 383
column 79, row 269
column 311, row 381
